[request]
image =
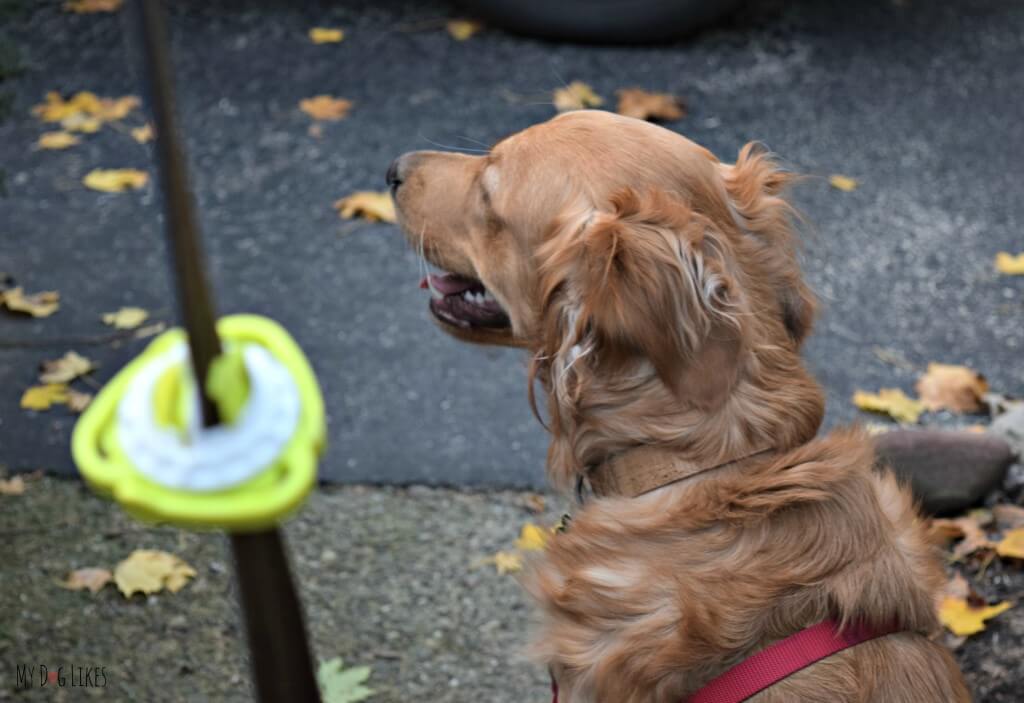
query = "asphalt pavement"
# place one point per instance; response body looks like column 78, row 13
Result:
column 920, row 102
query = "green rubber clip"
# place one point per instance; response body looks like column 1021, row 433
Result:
column 140, row 443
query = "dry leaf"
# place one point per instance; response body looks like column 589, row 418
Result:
column 532, row 538
column 80, row 122
column 126, row 318
column 506, row 562
column 42, row 304
column 634, row 102
column 963, row 619
column 891, row 401
column 57, row 140
column 42, row 397
column 535, row 503
column 149, row 330
column 83, row 7
column 323, row 35
column 1012, row 544
column 461, row 30
column 150, row 571
column 93, row 579
column 1009, row 264
column 143, row 134
column 67, row 368
column 324, row 107
column 967, row 528
column 1008, row 516
column 576, row 96
column 115, row 180
column 14, row 486
column 951, row 387
column 110, row 109
column 370, row 205
column 843, row 183
column 77, row 401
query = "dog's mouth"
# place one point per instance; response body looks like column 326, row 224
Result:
column 464, row 302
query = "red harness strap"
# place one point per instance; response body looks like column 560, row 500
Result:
column 779, row 660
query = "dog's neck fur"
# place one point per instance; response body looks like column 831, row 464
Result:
column 772, row 402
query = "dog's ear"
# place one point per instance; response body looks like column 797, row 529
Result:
column 647, row 280
column 755, row 185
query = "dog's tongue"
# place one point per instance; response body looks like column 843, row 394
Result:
column 449, row 283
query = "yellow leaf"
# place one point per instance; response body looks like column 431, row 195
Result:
column 55, row 108
column 108, row 109
column 93, row 579
column 951, row 387
column 531, row 538
column 150, row 571
column 507, row 562
column 576, row 96
column 324, row 107
column 42, row 397
column 77, row 401
column 56, row 140
column 67, row 368
column 143, row 134
column 891, row 401
column 323, row 35
column 115, row 180
column 1012, row 544
column 634, row 102
column 962, row 619
column 12, row 486
column 370, row 205
column 843, row 183
column 81, row 122
column 82, row 7
column 42, row 304
column 126, row 318
column 1009, row 264
column 461, row 30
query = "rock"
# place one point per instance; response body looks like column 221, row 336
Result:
column 1010, row 427
column 948, row 471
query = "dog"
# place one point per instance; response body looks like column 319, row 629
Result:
column 659, row 294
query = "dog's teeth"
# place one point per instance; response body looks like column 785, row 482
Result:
column 488, row 296
column 478, row 298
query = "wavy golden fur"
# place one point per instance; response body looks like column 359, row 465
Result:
column 659, row 294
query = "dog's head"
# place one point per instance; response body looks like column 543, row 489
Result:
column 615, row 250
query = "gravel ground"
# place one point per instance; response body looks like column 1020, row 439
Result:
column 390, row 577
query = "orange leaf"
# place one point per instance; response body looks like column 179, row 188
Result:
column 634, row 102
column 324, row 107
column 951, row 387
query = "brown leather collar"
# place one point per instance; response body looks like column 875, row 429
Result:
column 641, row 470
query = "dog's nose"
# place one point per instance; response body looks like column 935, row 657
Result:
column 394, row 174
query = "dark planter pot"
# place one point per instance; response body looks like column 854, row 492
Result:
column 601, row 21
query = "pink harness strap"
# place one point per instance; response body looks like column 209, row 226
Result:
column 778, row 660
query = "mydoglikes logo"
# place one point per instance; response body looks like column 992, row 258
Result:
column 43, row 676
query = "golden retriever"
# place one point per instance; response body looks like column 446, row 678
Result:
column 658, row 292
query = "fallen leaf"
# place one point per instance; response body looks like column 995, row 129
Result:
column 83, row 7
column 14, row 486
column 143, row 134
column 634, row 102
column 324, row 35
column 532, row 538
column 67, row 368
column 42, row 304
column 370, row 205
column 1012, row 544
column 1009, row 264
column 77, row 401
column 967, row 528
column 576, row 96
column 951, row 387
column 80, row 122
column 149, row 330
column 843, row 183
column 341, row 685
column 150, row 571
column 891, row 401
column 963, row 619
column 57, row 140
column 115, row 180
column 126, row 318
column 461, row 30
column 535, row 503
column 506, row 562
column 110, row 109
column 42, row 397
column 56, row 108
column 93, row 579
column 1008, row 516
column 324, row 107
